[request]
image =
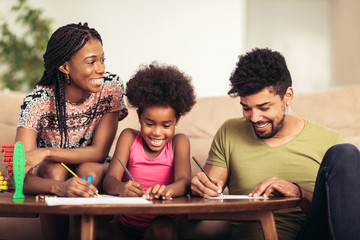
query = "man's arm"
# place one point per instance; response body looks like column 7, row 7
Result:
column 281, row 187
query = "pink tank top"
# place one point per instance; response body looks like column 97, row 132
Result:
column 148, row 172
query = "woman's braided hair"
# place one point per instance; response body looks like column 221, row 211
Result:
column 63, row 43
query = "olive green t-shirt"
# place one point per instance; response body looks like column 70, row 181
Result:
column 250, row 160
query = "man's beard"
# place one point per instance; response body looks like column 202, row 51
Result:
column 274, row 130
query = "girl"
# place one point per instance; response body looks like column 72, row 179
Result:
column 157, row 158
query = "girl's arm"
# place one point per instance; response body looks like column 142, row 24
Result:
column 96, row 152
column 113, row 179
column 182, row 171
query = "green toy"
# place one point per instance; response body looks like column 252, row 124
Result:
column 19, row 170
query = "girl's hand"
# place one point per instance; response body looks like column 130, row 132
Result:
column 130, row 189
column 75, row 187
column 158, row 191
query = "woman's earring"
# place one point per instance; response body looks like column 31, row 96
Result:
column 68, row 81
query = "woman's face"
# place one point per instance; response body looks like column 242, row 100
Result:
column 86, row 71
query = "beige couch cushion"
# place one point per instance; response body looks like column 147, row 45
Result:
column 337, row 108
column 9, row 108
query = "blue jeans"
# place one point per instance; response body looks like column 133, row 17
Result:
column 335, row 209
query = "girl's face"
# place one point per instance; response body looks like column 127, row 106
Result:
column 157, row 128
column 86, row 71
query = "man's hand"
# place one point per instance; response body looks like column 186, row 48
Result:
column 202, row 186
column 275, row 186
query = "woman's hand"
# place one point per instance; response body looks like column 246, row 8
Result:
column 75, row 187
column 34, row 157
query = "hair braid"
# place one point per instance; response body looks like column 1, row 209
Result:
column 62, row 45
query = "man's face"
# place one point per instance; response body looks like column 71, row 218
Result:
column 265, row 111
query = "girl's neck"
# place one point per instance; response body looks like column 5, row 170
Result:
column 149, row 153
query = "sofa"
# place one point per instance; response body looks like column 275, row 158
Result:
column 337, row 108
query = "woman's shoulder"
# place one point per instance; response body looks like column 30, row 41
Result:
column 111, row 78
column 40, row 94
column 113, row 85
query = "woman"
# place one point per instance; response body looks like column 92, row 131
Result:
column 71, row 116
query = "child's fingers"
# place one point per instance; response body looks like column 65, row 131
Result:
column 137, row 185
column 136, row 188
column 160, row 191
column 132, row 189
column 155, row 189
column 147, row 191
column 168, row 194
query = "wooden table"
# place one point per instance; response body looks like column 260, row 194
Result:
column 194, row 207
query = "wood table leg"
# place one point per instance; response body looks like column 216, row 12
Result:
column 266, row 219
column 268, row 225
column 87, row 227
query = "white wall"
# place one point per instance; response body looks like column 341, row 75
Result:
column 302, row 31
column 204, row 37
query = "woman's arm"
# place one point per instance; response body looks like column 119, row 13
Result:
column 112, row 183
column 34, row 184
column 96, row 152
column 71, row 187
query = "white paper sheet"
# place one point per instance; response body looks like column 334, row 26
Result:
column 235, row 197
column 103, row 199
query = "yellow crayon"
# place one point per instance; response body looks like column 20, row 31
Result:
column 74, row 174
column 70, row 171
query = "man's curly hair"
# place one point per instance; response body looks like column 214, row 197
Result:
column 258, row 70
column 162, row 85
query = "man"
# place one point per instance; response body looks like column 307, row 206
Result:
column 270, row 152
